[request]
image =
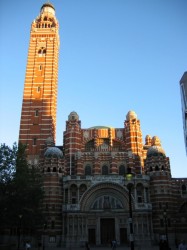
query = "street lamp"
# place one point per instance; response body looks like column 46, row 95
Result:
column 129, row 177
column 175, row 232
column 44, row 229
column 166, row 227
column 19, row 231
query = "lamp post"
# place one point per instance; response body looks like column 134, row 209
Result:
column 19, row 231
column 166, row 227
column 129, row 177
column 44, row 229
column 175, row 232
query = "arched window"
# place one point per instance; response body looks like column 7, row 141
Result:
column 60, row 170
column 36, row 112
column 48, row 169
column 156, row 168
column 104, row 170
column 88, row 170
column 122, row 170
column 41, row 52
column 54, row 169
column 82, row 189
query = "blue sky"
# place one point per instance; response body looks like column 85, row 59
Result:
column 115, row 56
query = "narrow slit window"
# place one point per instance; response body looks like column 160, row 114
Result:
column 34, row 141
column 36, row 112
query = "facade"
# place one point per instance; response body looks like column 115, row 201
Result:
column 183, row 88
column 88, row 192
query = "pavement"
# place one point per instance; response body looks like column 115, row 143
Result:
column 153, row 247
column 109, row 248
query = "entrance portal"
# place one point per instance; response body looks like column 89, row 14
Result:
column 107, row 227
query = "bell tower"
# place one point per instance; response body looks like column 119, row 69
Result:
column 38, row 116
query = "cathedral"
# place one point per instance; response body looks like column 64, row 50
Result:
column 103, row 183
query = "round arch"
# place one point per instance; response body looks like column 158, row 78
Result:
column 105, row 189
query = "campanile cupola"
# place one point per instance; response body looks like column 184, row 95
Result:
column 47, row 7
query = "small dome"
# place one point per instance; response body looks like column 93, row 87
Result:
column 155, row 151
column 155, row 141
column 148, row 140
column 73, row 116
column 49, row 141
column 53, row 152
column 131, row 115
column 47, row 5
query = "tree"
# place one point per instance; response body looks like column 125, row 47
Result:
column 7, row 162
column 21, row 191
column 7, row 171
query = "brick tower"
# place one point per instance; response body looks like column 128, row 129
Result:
column 38, row 117
column 133, row 140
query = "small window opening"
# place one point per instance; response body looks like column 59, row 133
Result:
column 34, row 141
column 41, row 52
column 36, row 112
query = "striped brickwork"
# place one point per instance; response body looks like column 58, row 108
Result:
column 38, row 117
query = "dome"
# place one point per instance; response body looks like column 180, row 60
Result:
column 131, row 115
column 73, row 116
column 155, row 141
column 155, row 151
column 49, row 141
column 47, row 5
column 148, row 137
column 99, row 127
column 53, row 152
column 148, row 140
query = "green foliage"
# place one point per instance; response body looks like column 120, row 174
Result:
column 20, row 189
column 7, row 162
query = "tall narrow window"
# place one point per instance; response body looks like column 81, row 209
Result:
column 40, row 67
column 122, row 170
column 88, row 170
column 38, row 89
column 36, row 112
column 104, row 170
column 34, row 141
